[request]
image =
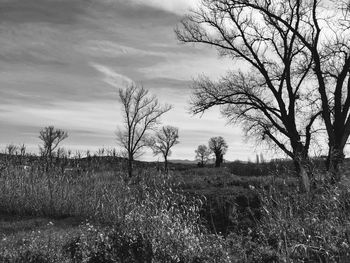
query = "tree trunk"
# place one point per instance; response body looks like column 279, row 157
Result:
column 301, row 162
column 166, row 164
column 130, row 165
column 334, row 161
column 302, row 170
column 217, row 160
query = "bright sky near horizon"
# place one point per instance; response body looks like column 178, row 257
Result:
column 62, row 61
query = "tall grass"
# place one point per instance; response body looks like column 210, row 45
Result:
column 102, row 195
column 150, row 219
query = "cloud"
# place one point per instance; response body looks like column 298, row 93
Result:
column 111, row 77
column 179, row 7
column 107, row 48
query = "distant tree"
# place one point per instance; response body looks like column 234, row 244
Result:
column 163, row 141
column 114, row 152
column 202, row 154
column 262, row 159
column 101, row 151
column 141, row 113
column 51, row 138
column 22, row 149
column 60, row 153
column 257, row 159
column 78, row 155
column 218, row 147
column 11, row 149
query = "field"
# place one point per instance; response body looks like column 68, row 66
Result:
column 237, row 213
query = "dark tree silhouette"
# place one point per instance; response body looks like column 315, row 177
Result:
column 50, row 138
column 218, row 146
column 141, row 113
column 202, row 154
column 288, row 84
column 163, row 141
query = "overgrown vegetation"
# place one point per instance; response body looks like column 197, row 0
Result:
column 195, row 215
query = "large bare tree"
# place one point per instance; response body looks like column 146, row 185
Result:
column 298, row 48
column 284, row 81
column 141, row 113
column 51, row 138
column 163, row 141
column 218, row 147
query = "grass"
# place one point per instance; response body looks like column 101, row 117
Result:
column 30, row 239
column 192, row 215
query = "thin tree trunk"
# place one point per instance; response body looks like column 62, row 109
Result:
column 166, row 164
column 130, row 166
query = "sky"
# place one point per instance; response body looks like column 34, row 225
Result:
column 62, row 62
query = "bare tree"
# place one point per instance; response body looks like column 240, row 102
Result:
column 163, row 141
column 51, row 138
column 11, row 149
column 218, row 146
column 275, row 95
column 202, row 154
column 141, row 114
column 22, row 149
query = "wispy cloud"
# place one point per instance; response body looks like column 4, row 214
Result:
column 175, row 6
column 111, row 77
column 105, row 48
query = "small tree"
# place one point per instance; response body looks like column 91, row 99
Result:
column 163, row 141
column 22, row 149
column 218, row 146
column 141, row 114
column 202, row 154
column 11, row 149
column 50, row 138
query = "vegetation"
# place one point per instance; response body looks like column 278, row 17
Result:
column 190, row 215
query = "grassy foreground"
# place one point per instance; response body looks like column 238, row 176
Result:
column 100, row 217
